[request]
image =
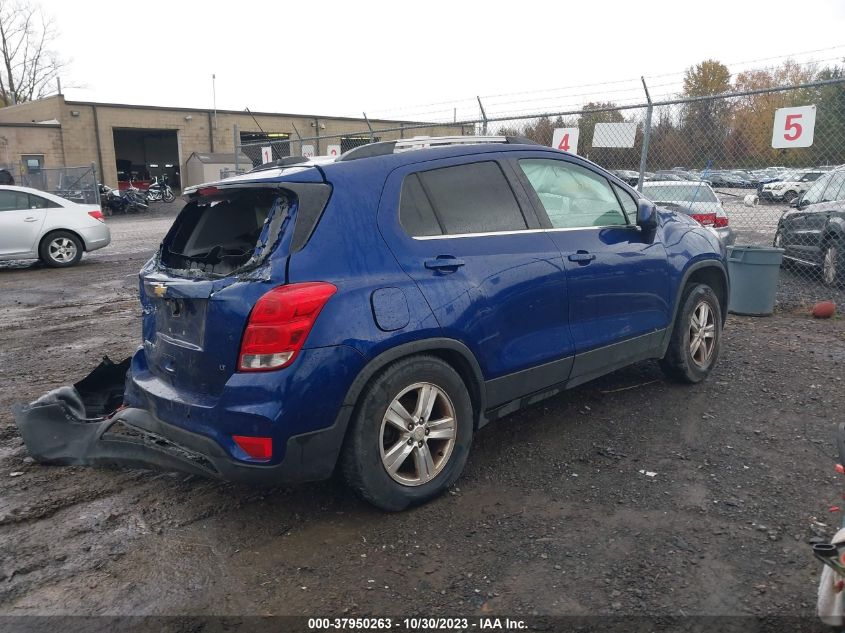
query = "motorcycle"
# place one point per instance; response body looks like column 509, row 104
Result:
column 127, row 201
column 160, row 190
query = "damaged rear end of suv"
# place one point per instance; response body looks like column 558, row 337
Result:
column 203, row 393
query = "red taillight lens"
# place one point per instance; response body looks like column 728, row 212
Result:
column 279, row 324
column 97, row 215
column 704, row 219
column 255, row 447
column 720, row 222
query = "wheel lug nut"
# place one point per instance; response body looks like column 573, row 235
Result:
column 420, row 443
column 410, row 442
column 427, row 431
column 411, row 427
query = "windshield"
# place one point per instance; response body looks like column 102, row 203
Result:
column 679, row 193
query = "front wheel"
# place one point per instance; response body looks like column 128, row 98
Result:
column 168, row 196
column 696, row 336
column 410, row 435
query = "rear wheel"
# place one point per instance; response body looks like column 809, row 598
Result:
column 410, row 435
column 60, row 249
column 833, row 264
column 696, row 336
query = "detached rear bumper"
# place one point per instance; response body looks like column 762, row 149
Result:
column 58, row 428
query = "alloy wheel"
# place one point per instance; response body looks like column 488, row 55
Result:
column 829, row 272
column 702, row 334
column 418, row 434
column 62, row 250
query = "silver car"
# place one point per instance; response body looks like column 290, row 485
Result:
column 695, row 199
column 38, row 225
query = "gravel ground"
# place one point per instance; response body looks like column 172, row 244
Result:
column 552, row 516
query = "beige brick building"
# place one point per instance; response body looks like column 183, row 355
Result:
column 146, row 141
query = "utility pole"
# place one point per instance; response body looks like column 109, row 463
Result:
column 214, row 96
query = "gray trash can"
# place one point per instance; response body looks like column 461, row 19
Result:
column 754, row 272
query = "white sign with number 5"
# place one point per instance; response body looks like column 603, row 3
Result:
column 566, row 138
column 794, row 127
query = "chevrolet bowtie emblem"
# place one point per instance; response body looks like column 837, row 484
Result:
column 159, row 290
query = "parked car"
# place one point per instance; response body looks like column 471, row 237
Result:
column 629, row 176
column 664, row 176
column 788, row 190
column 373, row 312
column 695, row 199
column 39, row 225
column 726, row 179
column 813, row 233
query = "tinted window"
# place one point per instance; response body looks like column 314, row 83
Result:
column 472, row 198
column 11, row 200
column 814, row 193
column 415, row 212
column 628, row 203
column 572, row 196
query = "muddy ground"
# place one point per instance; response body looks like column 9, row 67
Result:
column 552, row 515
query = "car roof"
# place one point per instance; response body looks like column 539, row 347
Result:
column 388, row 162
column 38, row 192
column 676, row 183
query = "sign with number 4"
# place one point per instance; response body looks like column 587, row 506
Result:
column 794, row 127
column 566, row 138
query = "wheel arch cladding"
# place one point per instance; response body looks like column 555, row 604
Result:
column 713, row 276
column 71, row 231
column 456, row 354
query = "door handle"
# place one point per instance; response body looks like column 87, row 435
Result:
column 444, row 262
column 582, row 257
column 30, row 219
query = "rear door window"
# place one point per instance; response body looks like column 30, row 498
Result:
column 415, row 211
column 472, row 198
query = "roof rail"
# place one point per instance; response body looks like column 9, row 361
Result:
column 385, row 148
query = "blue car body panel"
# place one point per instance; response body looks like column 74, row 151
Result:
column 518, row 311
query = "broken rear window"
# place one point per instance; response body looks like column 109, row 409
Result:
column 226, row 233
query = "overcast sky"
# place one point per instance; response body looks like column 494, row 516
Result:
column 395, row 58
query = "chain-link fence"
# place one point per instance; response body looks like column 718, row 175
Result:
column 77, row 184
column 760, row 167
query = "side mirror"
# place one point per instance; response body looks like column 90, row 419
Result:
column 646, row 215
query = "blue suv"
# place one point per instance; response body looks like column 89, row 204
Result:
column 372, row 312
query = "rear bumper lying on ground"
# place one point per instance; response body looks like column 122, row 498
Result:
column 67, row 426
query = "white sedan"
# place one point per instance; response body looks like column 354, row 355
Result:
column 38, row 225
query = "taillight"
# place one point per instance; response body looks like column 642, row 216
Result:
column 255, row 447
column 720, row 222
column 279, row 324
column 705, row 219
column 97, row 215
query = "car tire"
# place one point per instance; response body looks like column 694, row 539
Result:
column 390, row 457
column 692, row 354
column 60, row 249
column 833, row 264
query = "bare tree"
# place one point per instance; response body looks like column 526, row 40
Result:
column 30, row 67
